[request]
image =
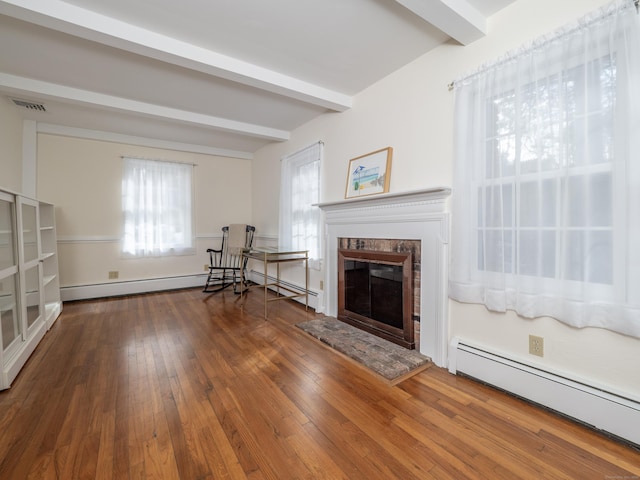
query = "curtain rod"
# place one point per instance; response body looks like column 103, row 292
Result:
column 137, row 157
column 534, row 44
column 319, row 142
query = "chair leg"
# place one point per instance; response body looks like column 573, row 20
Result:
column 224, row 276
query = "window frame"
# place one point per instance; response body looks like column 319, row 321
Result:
column 187, row 247
column 481, row 182
column 289, row 165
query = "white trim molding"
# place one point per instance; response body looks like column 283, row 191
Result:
column 415, row 215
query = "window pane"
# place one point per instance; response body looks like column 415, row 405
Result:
column 549, row 202
column 496, row 254
column 577, row 201
column 600, row 258
column 32, row 279
column 498, row 206
column 529, row 204
column 601, row 196
column 548, row 262
column 529, row 258
column 537, row 253
column 7, row 235
column 29, row 232
column 501, row 145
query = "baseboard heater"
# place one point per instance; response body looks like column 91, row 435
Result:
column 605, row 411
column 131, row 287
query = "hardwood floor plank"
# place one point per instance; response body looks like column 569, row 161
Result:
column 106, row 448
column 183, row 385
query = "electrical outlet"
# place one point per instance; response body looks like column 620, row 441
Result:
column 113, row 275
column 206, row 267
column 536, row 345
column 321, row 285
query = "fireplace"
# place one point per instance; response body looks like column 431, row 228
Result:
column 375, row 293
column 416, row 215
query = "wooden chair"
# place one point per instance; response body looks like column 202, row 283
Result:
column 226, row 264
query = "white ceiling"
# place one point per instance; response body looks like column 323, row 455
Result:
column 218, row 76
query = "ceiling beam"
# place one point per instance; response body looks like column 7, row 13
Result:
column 64, row 131
column 79, row 22
column 456, row 18
column 18, row 85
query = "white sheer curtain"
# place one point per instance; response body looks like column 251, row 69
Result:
column 299, row 190
column 157, row 204
column 546, row 203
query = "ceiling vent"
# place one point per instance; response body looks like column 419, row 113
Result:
column 39, row 107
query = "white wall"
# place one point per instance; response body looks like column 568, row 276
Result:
column 82, row 178
column 10, row 148
column 412, row 111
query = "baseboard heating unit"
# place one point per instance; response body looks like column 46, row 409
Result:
column 131, row 287
column 605, row 411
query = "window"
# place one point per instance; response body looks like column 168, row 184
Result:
column 547, row 183
column 157, row 202
column 299, row 191
column 544, row 216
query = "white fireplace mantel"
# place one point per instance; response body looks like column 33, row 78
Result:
column 414, row 215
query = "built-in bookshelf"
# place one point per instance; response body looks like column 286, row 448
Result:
column 29, row 285
column 49, row 259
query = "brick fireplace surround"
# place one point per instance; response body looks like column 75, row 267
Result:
column 416, row 215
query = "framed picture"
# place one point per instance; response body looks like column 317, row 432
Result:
column 369, row 174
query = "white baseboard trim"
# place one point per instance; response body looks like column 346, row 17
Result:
column 113, row 289
column 602, row 410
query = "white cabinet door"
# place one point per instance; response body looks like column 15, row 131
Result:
column 29, row 265
column 11, row 329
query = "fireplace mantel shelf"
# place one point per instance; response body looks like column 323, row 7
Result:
column 434, row 193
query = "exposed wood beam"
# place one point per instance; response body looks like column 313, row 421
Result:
column 27, row 86
column 456, row 18
column 67, row 18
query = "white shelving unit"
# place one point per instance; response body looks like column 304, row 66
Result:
column 29, row 285
column 49, row 259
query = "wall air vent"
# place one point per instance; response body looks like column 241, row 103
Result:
column 29, row 105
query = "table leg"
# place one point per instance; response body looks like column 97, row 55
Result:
column 306, row 282
column 265, row 286
column 241, row 280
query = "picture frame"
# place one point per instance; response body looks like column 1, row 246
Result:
column 369, row 174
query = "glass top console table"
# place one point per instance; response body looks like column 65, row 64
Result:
column 277, row 255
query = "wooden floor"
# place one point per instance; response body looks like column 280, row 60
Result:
column 188, row 385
